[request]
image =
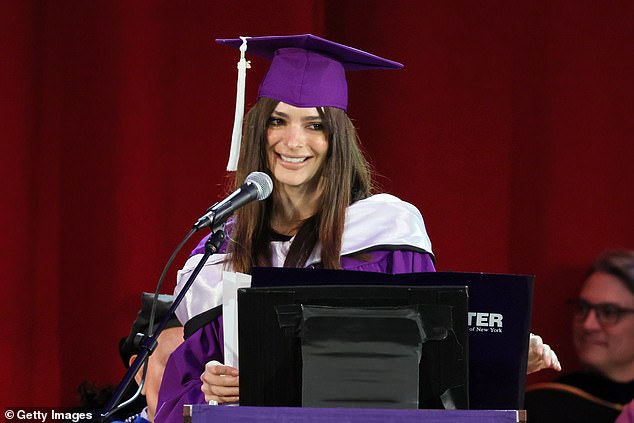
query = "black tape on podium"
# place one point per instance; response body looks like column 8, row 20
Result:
column 353, row 357
column 371, row 356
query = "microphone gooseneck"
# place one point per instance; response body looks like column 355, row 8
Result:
column 257, row 186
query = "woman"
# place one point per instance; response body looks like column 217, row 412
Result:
column 321, row 214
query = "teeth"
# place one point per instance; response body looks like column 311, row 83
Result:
column 292, row 159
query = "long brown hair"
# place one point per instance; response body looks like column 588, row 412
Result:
column 347, row 178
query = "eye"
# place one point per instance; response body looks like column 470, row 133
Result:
column 609, row 312
column 581, row 307
column 317, row 126
column 275, row 121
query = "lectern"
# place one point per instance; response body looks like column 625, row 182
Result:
column 468, row 332
column 498, row 319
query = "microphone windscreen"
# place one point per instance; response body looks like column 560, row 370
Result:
column 262, row 183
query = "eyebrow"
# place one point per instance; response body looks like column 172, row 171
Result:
column 604, row 303
column 304, row 118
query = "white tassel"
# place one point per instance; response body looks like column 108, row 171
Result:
column 236, row 137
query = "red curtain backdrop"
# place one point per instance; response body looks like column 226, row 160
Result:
column 510, row 128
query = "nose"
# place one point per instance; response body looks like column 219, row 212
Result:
column 294, row 136
column 591, row 321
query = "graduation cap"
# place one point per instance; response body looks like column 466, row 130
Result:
column 305, row 71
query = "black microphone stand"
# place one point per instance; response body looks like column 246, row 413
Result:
column 149, row 342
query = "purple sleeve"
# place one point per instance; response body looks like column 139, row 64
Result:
column 181, row 379
column 388, row 261
column 627, row 415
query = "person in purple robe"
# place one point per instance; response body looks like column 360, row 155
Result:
column 323, row 211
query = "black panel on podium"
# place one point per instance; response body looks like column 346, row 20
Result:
column 498, row 322
column 279, row 362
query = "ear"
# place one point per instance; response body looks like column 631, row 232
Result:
column 138, row 375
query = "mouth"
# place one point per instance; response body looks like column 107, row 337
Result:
column 589, row 340
column 293, row 160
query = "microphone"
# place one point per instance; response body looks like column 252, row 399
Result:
column 257, row 186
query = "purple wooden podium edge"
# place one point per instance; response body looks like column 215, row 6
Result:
column 202, row 413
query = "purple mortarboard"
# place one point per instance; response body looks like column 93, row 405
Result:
column 305, row 71
column 308, row 71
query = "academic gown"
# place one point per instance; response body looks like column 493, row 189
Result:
column 390, row 231
column 141, row 417
column 600, row 386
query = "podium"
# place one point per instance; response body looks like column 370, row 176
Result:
column 227, row 414
column 495, row 322
column 498, row 320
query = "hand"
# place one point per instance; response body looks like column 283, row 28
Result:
column 220, row 383
column 540, row 356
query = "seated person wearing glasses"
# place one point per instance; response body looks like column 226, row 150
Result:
column 603, row 335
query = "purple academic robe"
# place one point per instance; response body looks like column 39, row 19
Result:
column 627, row 415
column 181, row 380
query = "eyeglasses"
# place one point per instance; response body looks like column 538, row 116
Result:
column 607, row 314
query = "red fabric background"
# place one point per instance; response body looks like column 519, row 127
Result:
column 510, row 128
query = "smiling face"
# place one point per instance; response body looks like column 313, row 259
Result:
column 297, row 147
column 606, row 348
